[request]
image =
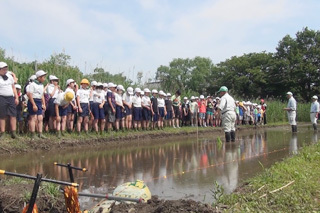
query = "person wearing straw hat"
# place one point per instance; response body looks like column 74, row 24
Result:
column 36, row 104
column 314, row 111
column 227, row 108
column 291, row 111
column 8, row 101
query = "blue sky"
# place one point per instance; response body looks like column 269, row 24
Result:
column 140, row 35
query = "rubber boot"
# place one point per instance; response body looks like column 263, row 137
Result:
column 228, row 136
column 233, row 136
column 314, row 127
column 295, row 128
column 292, row 128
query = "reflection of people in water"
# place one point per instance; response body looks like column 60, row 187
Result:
column 293, row 148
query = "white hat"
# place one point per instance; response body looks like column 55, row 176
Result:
column 137, row 90
column 289, row 93
column 120, row 87
column 130, row 90
column 146, row 90
column 3, row 64
column 142, row 92
column 315, row 97
column 168, row 94
column 201, row 97
column 192, row 98
column 162, row 93
column 99, row 84
column 53, row 77
column 154, row 91
column 105, row 85
column 40, row 73
column 217, row 98
column 185, row 98
column 93, row 83
column 112, row 85
column 33, row 77
column 69, row 81
column 17, row 86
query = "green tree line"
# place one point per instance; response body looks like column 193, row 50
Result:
column 293, row 67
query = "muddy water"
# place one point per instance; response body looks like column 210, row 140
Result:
column 172, row 169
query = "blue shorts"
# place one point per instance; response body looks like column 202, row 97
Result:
column 50, row 107
column 128, row 111
column 62, row 111
column 98, row 113
column 38, row 102
column 119, row 112
column 155, row 117
column 146, row 114
column 137, row 114
column 85, row 110
column 169, row 115
column 70, row 108
column 161, row 112
column 202, row 115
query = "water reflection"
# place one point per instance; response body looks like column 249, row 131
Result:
column 185, row 168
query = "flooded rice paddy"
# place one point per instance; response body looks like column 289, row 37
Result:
column 172, row 168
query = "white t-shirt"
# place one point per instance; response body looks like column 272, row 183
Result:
column 146, row 101
column 36, row 90
column 98, row 96
column 161, row 102
column 6, row 86
column 50, row 89
column 118, row 99
column 84, row 95
column 227, row 103
column 127, row 98
column 136, row 101
column 60, row 99
column 71, row 90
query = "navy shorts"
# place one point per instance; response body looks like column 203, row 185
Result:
column 7, row 106
column 155, row 117
column 161, row 112
column 119, row 112
column 62, row 111
column 176, row 111
column 38, row 102
column 98, row 113
column 50, row 109
column 137, row 114
column 70, row 108
column 128, row 110
column 85, row 109
column 19, row 116
column 169, row 115
column 146, row 114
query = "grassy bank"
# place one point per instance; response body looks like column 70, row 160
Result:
column 289, row 186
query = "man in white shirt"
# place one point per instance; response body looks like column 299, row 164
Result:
column 291, row 111
column 227, row 108
column 8, row 100
column 314, row 111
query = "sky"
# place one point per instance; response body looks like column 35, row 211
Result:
column 132, row 36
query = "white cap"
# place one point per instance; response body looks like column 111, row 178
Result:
column 33, row 77
column 99, row 84
column 289, row 93
column 315, row 97
column 3, row 64
column 17, row 86
column 146, row 90
column 161, row 93
column 185, row 98
column 154, row 91
column 120, row 87
column 130, row 90
column 93, row 83
column 137, row 90
column 105, row 85
column 217, row 98
column 142, row 92
column 259, row 106
column 112, row 85
column 69, row 81
column 192, row 98
column 201, row 97
column 40, row 73
column 168, row 94
column 53, row 77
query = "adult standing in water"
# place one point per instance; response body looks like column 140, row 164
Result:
column 314, row 111
column 291, row 111
column 227, row 108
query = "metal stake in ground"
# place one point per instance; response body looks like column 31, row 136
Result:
column 70, row 168
column 34, row 193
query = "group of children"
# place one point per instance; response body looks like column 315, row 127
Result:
column 104, row 107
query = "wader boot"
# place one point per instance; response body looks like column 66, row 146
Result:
column 294, row 128
column 233, row 136
column 228, row 136
column 314, row 127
